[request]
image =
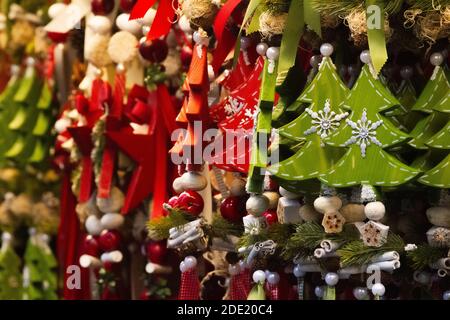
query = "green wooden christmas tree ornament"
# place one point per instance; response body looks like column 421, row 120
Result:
column 434, row 101
column 324, row 95
column 366, row 133
column 10, row 274
column 439, row 176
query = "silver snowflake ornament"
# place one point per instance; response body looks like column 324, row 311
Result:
column 324, row 121
column 363, row 133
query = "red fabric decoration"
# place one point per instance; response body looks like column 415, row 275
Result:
column 189, row 286
column 69, row 242
column 273, row 291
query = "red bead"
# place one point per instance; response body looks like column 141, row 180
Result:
column 271, row 216
column 102, row 7
column 190, row 202
column 156, row 251
column 154, row 51
column 109, row 240
column 145, row 295
column 57, row 37
column 91, row 246
column 173, row 201
column 127, row 5
column 233, row 209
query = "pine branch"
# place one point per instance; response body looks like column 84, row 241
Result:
column 309, row 235
column 424, row 255
column 158, row 229
column 222, row 228
column 357, row 253
column 344, row 7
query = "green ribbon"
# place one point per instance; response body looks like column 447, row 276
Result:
column 291, row 37
column 257, row 292
column 330, row 293
column 263, row 128
column 375, row 33
column 312, row 18
column 253, row 4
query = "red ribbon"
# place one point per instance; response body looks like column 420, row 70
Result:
column 163, row 18
column 225, row 38
column 140, row 8
column 69, row 242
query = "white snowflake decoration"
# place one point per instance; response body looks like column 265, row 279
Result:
column 325, row 121
column 233, row 106
column 363, row 133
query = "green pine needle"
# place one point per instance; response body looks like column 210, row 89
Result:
column 222, row 228
column 357, row 253
column 308, row 236
column 424, row 255
column 343, row 7
column 158, row 229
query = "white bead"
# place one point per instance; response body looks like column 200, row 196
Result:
column 183, row 267
column 257, row 204
column 259, row 276
column 378, row 289
column 30, row 62
column 193, row 180
column 261, row 48
column 242, row 264
column 120, row 68
column 237, row 188
column 319, row 291
column 288, row 194
column 15, row 70
column 123, row 23
column 360, row 293
column 55, row 9
column 234, row 269
column 112, row 221
column 446, row 295
column 145, row 30
column 190, row 262
column 245, row 43
column 298, row 272
column 325, row 204
column 197, row 37
column 331, row 279
column 177, row 185
column 184, row 24
column 375, row 210
column 436, row 59
column 273, row 278
column 365, row 56
column 149, row 16
column 326, row 49
column 99, row 24
column 93, row 225
column 273, row 53
column 62, row 124
column 6, row 237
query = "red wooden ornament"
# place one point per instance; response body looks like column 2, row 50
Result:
column 82, row 137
